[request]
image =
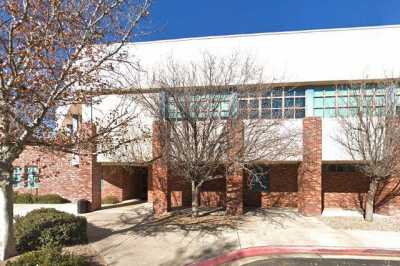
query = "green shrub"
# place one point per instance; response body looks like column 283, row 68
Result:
column 50, row 199
column 27, row 198
column 48, row 257
column 110, row 199
column 23, row 198
column 49, row 227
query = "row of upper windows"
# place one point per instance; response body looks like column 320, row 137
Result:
column 284, row 103
column 345, row 101
column 31, row 180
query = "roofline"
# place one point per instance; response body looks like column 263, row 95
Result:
column 266, row 34
column 283, row 85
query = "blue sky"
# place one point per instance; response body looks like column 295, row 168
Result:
column 192, row 18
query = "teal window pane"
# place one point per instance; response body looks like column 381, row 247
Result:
column 243, row 104
column 254, row 103
column 276, row 113
column 300, row 102
column 260, row 179
column 277, row 102
column 353, row 101
column 225, row 106
column 289, row 102
column 290, row 92
column 289, row 113
column 379, row 100
column 330, row 92
column 353, row 111
column 319, row 112
column 266, row 103
column 33, row 177
column 318, row 92
column 277, row 92
column 266, row 113
column 342, row 101
column 254, row 114
column 17, row 177
column 330, row 112
column 368, row 101
column 329, row 102
column 381, row 91
column 300, row 113
column 380, row 111
column 343, row 112
column 300, row 92
column 318, row 102
column 354, row 91
column 342, row 91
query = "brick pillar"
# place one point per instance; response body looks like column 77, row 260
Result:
column 309, row 177
column 234, row 179
column 159, row 175
column 149, row 184
column 89, row 170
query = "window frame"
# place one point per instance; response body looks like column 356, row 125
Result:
column 36, row 181
column 273, row 104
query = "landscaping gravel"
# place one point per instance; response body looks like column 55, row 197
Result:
column 358, row 223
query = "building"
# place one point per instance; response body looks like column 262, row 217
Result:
column 311, row 69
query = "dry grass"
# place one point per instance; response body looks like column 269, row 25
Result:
column 358, row 223
column 88, row 252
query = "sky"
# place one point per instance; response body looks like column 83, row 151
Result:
column 171, row 19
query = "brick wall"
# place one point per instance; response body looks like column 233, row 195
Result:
column 343, row 189
column 58, row 175
column 282, row 188
column 123, row 182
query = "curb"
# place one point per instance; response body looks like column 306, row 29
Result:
column 282, row 250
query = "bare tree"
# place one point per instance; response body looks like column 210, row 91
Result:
column 51, row 54
column 371, row 136
column 198, row 106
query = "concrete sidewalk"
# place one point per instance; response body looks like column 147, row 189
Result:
column 129, row 235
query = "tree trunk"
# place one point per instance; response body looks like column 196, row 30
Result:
column 7, row 240
column 195, row 199
column 369, row 207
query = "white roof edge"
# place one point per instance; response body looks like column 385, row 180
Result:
column 267, row 33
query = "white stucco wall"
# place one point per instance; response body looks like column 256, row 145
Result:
column 302, row 56
column 332, row 150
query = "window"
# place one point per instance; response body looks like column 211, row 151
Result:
column 346, row 101
column 17, row 177
column 199, row 105
column 75, row 123
column 33, row 176
column 259, row 178
column 273, row 104
column 339, row 168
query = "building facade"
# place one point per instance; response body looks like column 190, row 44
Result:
column 312, row 74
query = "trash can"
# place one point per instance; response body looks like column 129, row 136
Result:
column 83, row 206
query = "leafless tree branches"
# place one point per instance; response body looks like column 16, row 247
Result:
column 371, row 135
column 199, row 108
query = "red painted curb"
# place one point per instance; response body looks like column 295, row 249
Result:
column 281, row 250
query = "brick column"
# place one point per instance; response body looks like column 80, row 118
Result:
column 159, row 175
column 89, row 170
column 234, row 179
column 309, row 177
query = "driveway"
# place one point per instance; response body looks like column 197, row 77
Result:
column 129, row 235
